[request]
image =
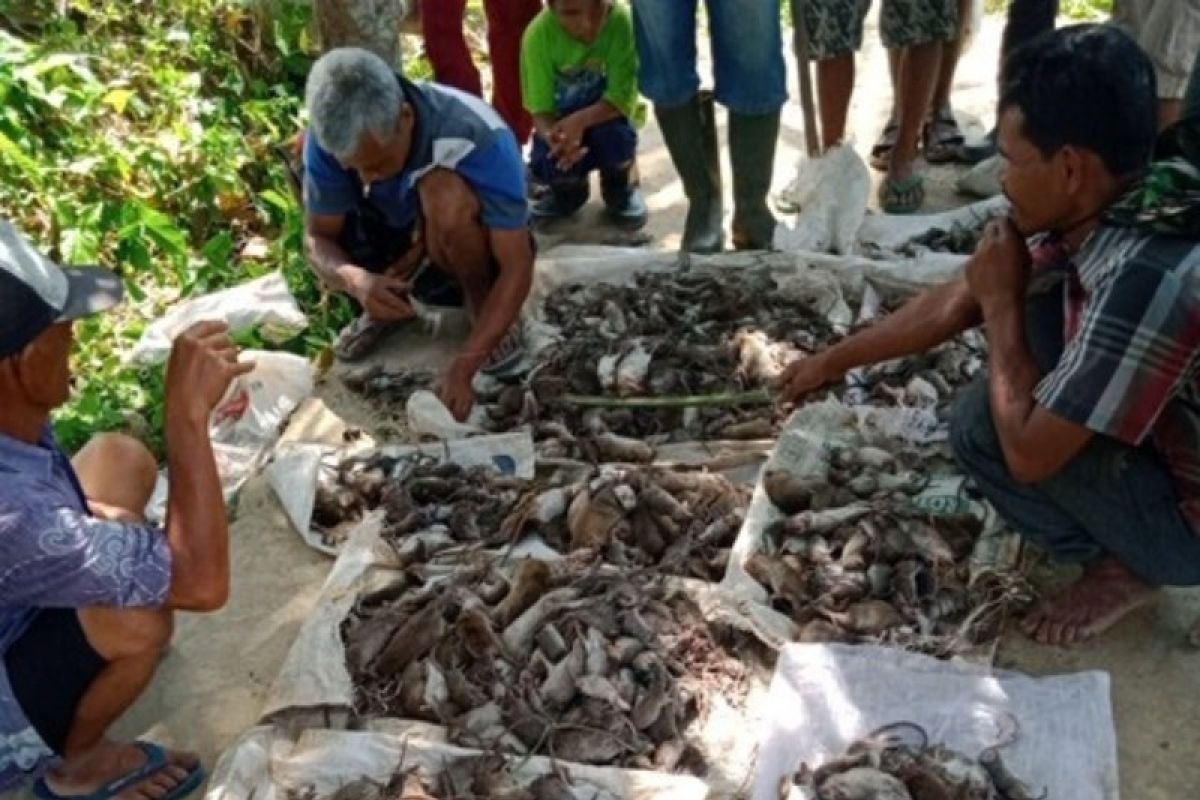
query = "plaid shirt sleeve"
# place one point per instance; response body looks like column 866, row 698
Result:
column 1137, row 345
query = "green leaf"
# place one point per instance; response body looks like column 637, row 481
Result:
column 218, row 251
column 278, row 201
column 165, row 233
column 117, row 99
column 9, row 149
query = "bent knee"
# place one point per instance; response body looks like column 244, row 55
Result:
column 111, row 457
column 447, row 200
column 119, row 449
column 128, row 632
column 453, row 230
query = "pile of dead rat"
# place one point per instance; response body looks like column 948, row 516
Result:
column 608, row 627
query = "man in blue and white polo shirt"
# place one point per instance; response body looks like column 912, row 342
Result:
column 416, row 191
column 88, row 588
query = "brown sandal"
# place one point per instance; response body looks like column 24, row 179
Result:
column 358, row 339
column 941, row 138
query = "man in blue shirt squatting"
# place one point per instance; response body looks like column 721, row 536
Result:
column 88, row 588
column 416, row 192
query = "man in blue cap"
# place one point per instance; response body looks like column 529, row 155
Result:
column 88, row 588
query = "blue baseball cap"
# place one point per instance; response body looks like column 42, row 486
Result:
column 36, row 293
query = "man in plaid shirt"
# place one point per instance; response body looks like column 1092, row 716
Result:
column 1085, row 435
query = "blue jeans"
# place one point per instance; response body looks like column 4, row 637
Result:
column 609, row 145
column 747, row 53
column 1109, row 500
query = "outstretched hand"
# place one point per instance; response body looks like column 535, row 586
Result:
column 804, row 376
column 456, row 392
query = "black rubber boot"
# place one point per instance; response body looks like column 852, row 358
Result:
column 561, row 199
column 752, row 141
column 690, row 132
column 623, row 201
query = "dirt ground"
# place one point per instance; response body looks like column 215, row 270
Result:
column 213, row 681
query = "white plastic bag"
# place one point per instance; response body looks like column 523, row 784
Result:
column 823, row 697
column 245, row 424
column 266, row 764
column 297, row 467
column 266, row 302
column 831, row 192
column 428, row 417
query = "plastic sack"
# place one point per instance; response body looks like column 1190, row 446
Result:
column 823, row 697
column 266, row 302
column 831, row 192
column 266, row 764
column 892, row 231
column 246, row 423
column 297, row 467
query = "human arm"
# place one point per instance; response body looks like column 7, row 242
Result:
column 330, row 193
column 1036, row 442
column 382, row 295
column 930, row 318
column 513, row 252
column 566, row 137
column 57, row 555
column 203, row 363
column 1135, row 346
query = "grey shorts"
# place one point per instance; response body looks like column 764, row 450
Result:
column 1169, row 32
column 835, row 27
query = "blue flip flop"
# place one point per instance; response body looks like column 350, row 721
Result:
column 156, row 760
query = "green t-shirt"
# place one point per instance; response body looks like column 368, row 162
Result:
column 560, row 74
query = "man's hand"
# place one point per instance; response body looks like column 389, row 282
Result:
column 804, row 376
column 383, row 297
column 404, row 267
column 203, row 362
column 999, row 270
column 456, row 392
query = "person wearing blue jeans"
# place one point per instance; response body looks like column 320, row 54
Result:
column 750, row 81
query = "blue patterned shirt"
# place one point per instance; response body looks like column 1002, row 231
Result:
column 53, row 554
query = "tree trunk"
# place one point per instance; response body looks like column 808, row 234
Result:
column 370, row 24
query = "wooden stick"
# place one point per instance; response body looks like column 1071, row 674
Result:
column 757, row 397
column 801, row 46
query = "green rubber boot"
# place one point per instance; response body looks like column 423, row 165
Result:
column 752, row 141
column 690, row 132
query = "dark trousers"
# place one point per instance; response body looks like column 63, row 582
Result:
column 1026, row 19
column 1109, row 500
column 609, row 145
column 1191, row 99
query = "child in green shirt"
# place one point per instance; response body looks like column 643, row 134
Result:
column 579, row 82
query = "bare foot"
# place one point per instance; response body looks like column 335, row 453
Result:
column 1105, row 593
column 108, row 762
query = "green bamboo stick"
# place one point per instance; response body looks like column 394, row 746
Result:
column 757, row 397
